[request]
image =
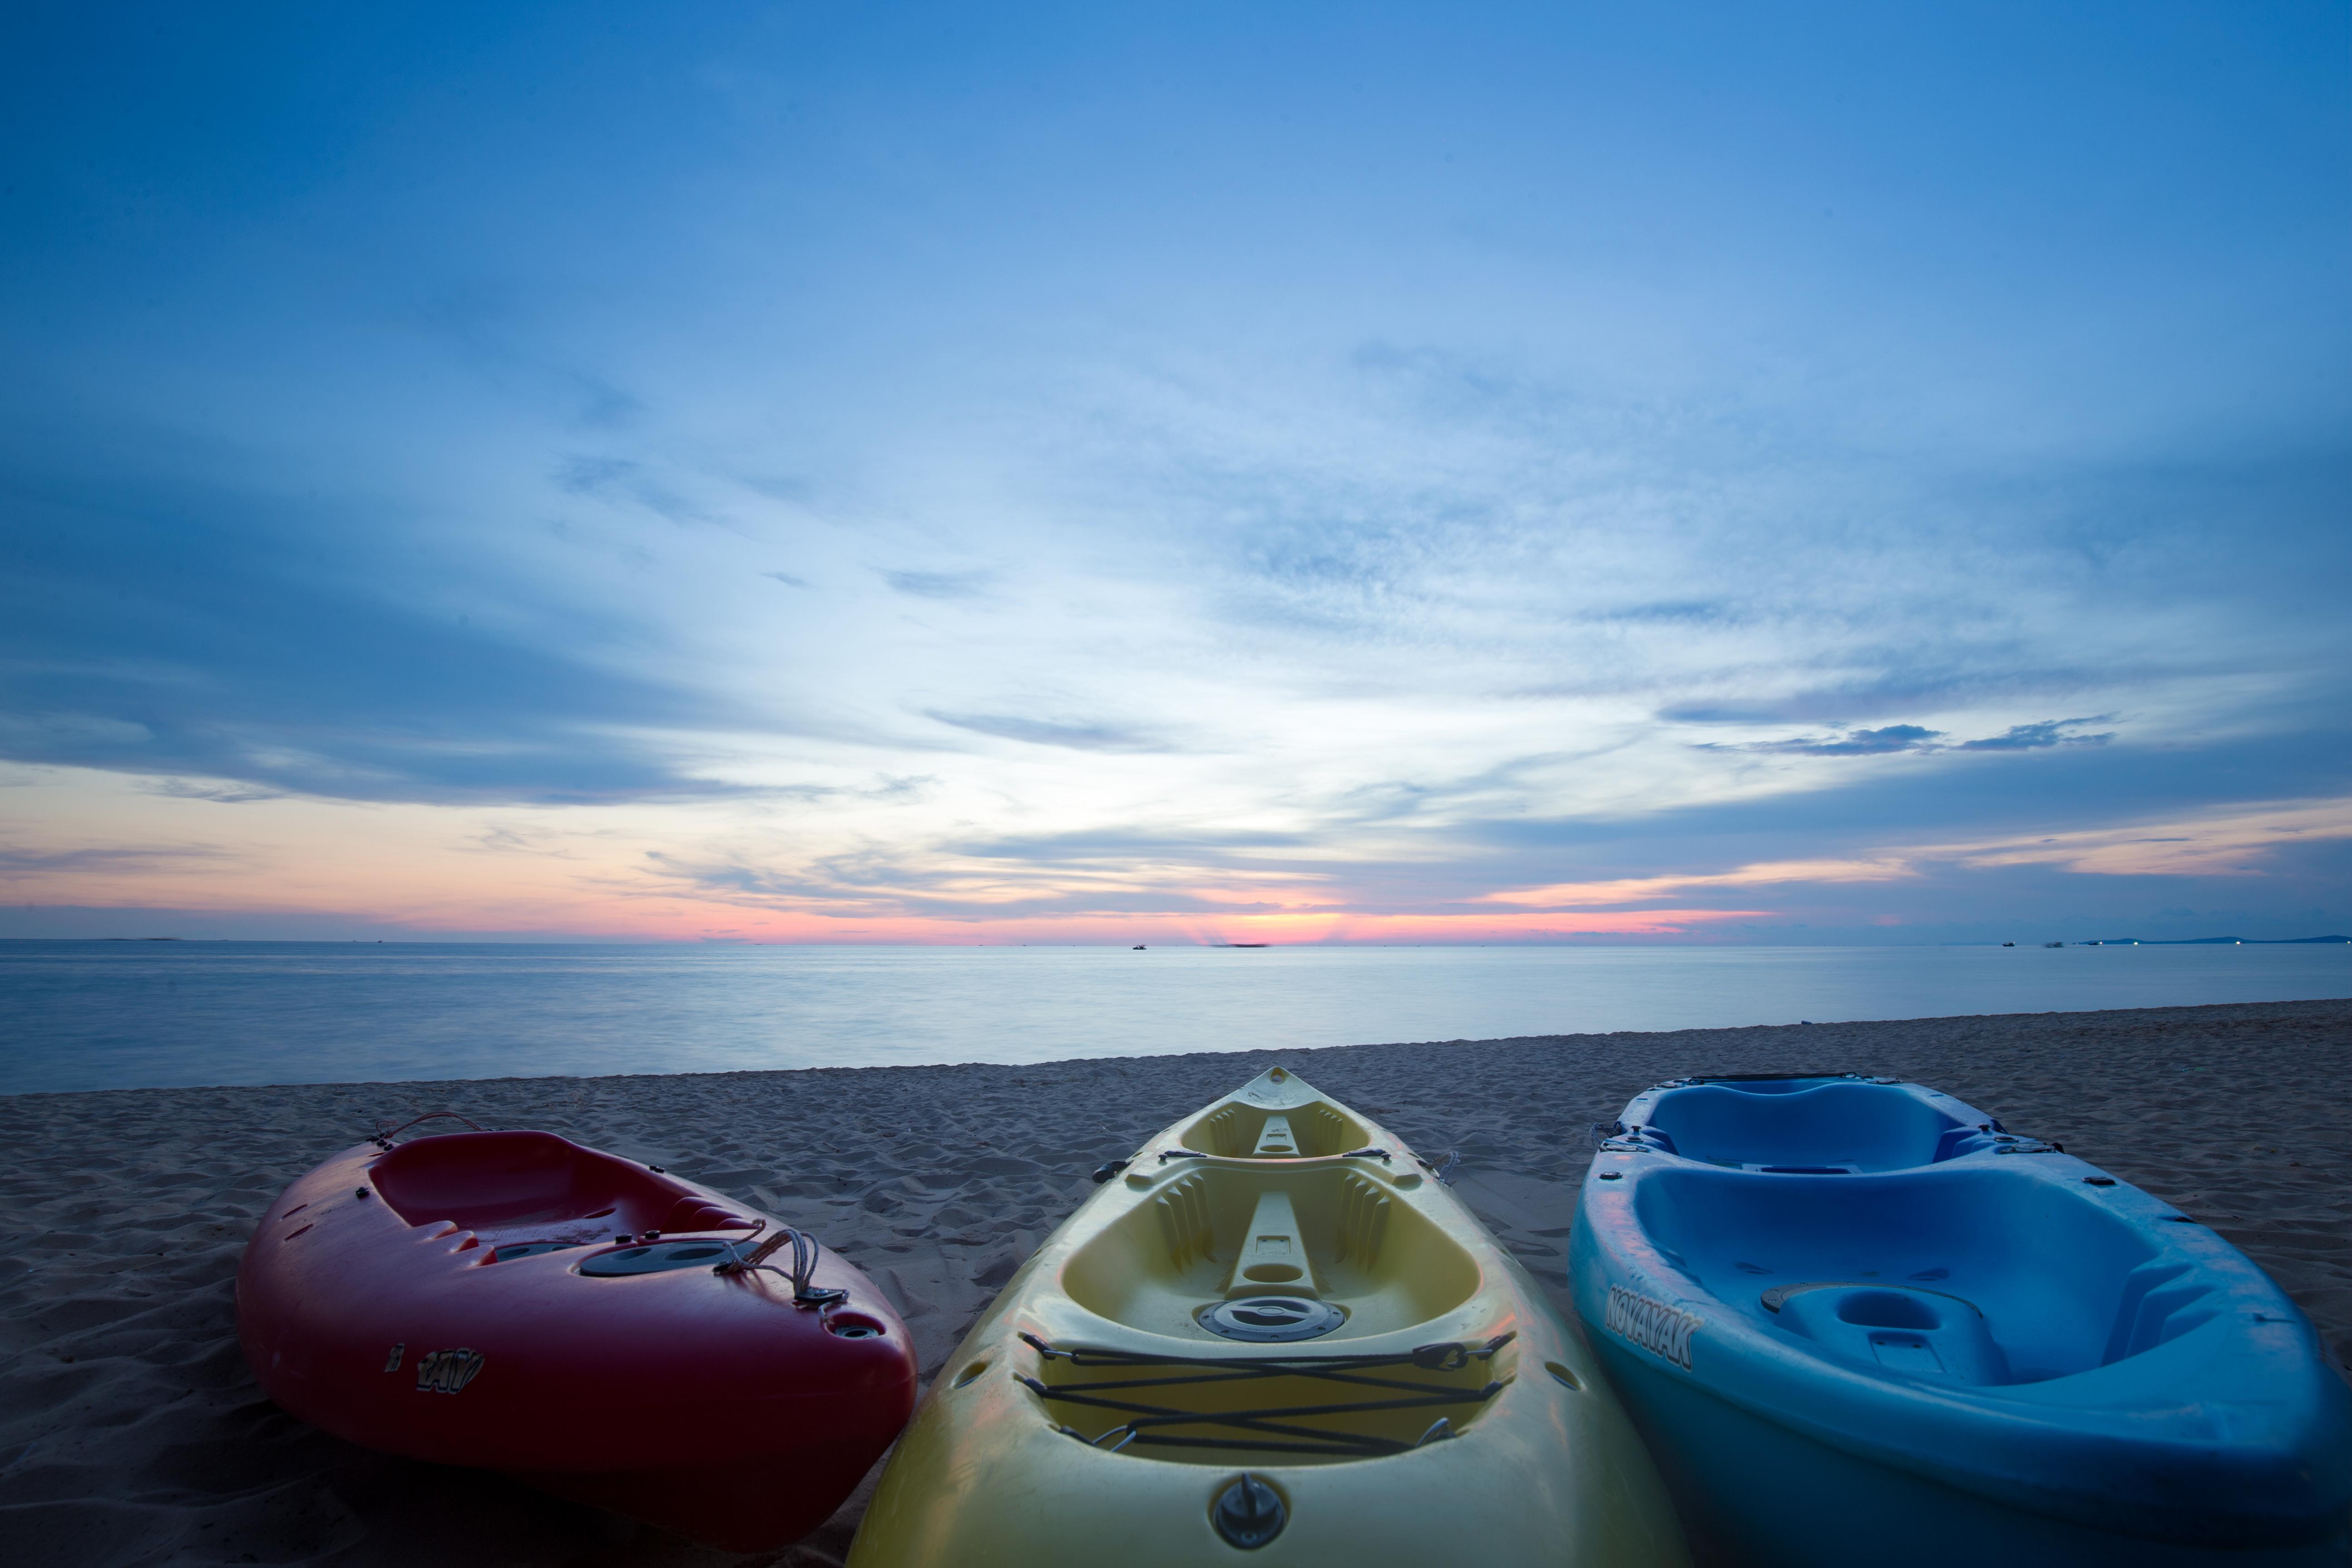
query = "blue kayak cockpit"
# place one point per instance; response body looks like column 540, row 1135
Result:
column 1859, row 1322
column 1954, row 1272
column 1966, row 1274
column 1814, row 1126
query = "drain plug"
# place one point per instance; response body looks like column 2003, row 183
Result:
column 1249, row 1513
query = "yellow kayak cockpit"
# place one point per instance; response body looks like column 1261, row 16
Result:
column 1207, row 1235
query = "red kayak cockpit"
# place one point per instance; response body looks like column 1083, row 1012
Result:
column 503, row 1184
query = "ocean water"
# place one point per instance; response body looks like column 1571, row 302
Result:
column 90, row 1014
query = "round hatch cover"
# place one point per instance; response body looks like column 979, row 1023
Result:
column 659, row 1258
column 1273, row 1318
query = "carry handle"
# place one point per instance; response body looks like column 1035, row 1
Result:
column 383, row 1140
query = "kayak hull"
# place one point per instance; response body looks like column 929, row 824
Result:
column 1500, row 1444
column 465, row 1300
column 1751, row 1493
column 1859, row 1321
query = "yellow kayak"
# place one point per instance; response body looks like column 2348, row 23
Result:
column 1270, row 1333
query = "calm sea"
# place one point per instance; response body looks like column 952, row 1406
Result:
column 80, row 1015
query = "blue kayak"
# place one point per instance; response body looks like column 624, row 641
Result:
column 1863, row 1324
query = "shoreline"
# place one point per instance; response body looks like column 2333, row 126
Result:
column 131, row 1422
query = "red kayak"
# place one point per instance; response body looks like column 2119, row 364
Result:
column 595, row 1327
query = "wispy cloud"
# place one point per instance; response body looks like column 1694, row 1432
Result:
column 1092, row 736
column 2230, row 841
column 1856, row 742
column 225, row 794
column 1634, row 890
column 627, row 479
column 940, row 584
column 2034, row 737
column 2236, row 842
column 1893, row 738
column 169, row 860
column 214, row 637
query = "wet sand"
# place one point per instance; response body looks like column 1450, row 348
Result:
column 130, row 1432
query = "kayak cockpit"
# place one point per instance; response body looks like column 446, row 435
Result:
column 1963, row 1274
column 1326, row 1235
column 1804, row 1126
column 1275, row 1303
column 527, row 1192
column 1969, row 1355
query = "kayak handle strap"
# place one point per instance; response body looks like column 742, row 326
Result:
column 806, row 1250
column 383, row 1140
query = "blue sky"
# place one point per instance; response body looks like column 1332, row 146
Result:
column 1335, row 473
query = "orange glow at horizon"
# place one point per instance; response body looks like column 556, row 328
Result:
column 701, row 923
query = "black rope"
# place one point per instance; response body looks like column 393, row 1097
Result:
column 1160, row 1413
column 1324, row 1375
column 1268, row 1422
column 1269, row 1425
column 1446, row 1355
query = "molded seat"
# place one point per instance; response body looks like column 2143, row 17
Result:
column 1327, row 1232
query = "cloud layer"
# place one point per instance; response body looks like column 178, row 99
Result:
column 1067, row 475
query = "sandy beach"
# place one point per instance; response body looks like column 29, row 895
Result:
column 132, row 1434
